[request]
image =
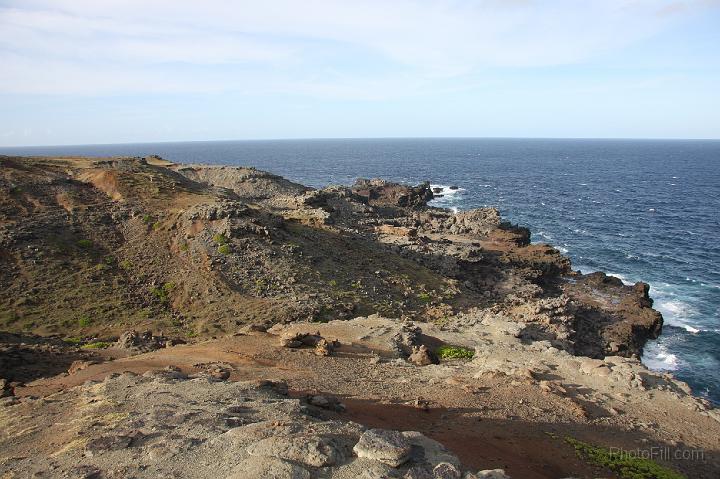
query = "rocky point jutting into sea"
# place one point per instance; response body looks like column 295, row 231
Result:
column 205, row 321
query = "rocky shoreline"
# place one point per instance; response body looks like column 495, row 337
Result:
column 362, row 281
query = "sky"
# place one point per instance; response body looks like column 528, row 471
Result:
column 120, row 71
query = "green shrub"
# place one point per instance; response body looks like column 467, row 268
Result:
column 163, row 292
column 625, row 465
column 220, row 239
column 109, row 260
column 183, row 247
column 147, row 219
column 125, row 264
column 424, row 297
column 73, row 340
column 156, row 226
column 224, row 249
column 84, row 321
column 96, row 345
column 101, row 267
column 454, row 352
column 85, row 243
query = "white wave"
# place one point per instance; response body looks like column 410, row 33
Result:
column 563, row 250
column 657, row 357
column 677, row 313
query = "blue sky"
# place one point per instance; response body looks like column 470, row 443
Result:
column 87, row 71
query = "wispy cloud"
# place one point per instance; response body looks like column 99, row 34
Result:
column 129, row 46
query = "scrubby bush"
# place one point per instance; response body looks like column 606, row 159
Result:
column 220, row 239
column 96, row 345
column 85, row 243
column 224, row 249
column 454, row 352
column 163, row 292
column 84, row 321
column 424, row 297
column 627, row 466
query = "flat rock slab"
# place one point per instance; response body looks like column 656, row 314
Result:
column 311, row 450
column 268, row 468
column 389, row 447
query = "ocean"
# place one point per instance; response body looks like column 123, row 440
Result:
column 638, row 209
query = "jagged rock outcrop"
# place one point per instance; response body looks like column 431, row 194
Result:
column 377, row 192
column 205, row 249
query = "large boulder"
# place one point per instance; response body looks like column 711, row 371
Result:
column 377, row 192
column 388, row 447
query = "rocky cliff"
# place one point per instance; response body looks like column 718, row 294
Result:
column 92, row 247
column 405, row 340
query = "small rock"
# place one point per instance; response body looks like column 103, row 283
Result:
column 270, row 468
column 310, row 450
column 323, row 348
column 422, row 356
column 326, row 402
column 388, row 447
column 445, row 470
column 79, row 365
column 492, row 474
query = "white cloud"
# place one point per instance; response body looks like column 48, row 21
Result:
column 122, row 46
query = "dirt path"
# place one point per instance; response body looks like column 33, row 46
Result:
column 470, row 424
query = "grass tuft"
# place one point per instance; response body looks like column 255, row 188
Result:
column 96, row 345
column 224, row 249
column 454, row 352
column 84, row 321
column 220, row 239
column 625, row 465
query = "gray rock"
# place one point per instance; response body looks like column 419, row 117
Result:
column 311, row 450
column 268, row 468
column 445, row 470
column 492, row 474
column 422, row 356
column 388, row 447
column 429, row 451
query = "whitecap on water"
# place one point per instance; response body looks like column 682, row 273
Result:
column 449, row 196
column 658, row 358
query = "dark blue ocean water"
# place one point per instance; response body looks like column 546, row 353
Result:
column 640, row 209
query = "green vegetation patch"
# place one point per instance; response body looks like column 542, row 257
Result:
column 163, row 292
column 626, row 465
column 424, row 297
column 220, row 239
column 84, row 321
column 96, row 345
column 454, row 352
column 85, row 243
column 73, row 340
column 224, row 249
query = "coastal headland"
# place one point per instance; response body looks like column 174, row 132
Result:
column 212, row 321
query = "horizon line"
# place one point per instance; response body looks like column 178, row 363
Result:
column 601, row 138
